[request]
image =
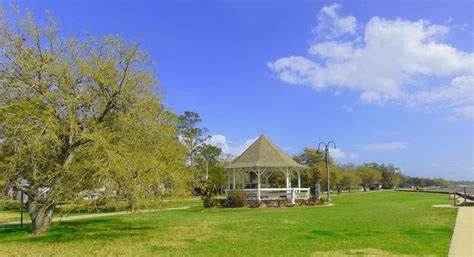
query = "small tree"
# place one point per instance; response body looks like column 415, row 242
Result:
column 208, row 189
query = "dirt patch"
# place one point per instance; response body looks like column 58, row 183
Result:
column 358, row 252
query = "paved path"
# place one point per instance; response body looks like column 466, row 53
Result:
column 462, row 243
column 96, row 215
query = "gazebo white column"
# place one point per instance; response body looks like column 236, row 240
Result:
column 299, row 179
column 258, row 184
column 228, row 180
column 288, row 183
column 287, row 176
column 233, row 178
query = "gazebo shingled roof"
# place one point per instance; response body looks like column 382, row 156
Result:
column 264, row 154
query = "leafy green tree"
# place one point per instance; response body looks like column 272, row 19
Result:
column 390, row 174
column 335, row 176
column 80, row 116
column 348, row 180
column 368, row 176
column 442, row 182
column 208, row 158
column 317, row 169
column 213, row 180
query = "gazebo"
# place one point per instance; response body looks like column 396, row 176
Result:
column 261, row 160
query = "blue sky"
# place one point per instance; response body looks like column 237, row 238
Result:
column 391, row 82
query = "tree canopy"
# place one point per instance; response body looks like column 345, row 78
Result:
column 80, row 116
column 368, row 176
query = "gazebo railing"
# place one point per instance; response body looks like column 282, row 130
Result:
column 275, row 193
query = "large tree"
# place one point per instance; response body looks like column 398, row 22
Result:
column 368, row 176
column 390, row 174
column 80, row 116
column 349, row 177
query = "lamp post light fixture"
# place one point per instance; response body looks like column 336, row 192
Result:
column 326, row 156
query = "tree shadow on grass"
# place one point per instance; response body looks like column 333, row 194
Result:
column 103, row 229
column 316, row 233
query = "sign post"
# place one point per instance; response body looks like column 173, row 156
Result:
column 23, row 183
column 21, row 209
column 318, row 191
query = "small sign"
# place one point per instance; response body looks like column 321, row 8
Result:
column 19, row 197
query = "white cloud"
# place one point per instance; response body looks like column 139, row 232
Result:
column 347, row 108
column 219, row 141
column 385, row 146
column 458, row 95
column 339, row 154
column 235, row 149
column 354, row 156
column 394, row 61
column 240, row 148
column 462, row 27
column 332, row 49
column 331, row 24
column 230, row 148
column 466, row 111
column 296, row 70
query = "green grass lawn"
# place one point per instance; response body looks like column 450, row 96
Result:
column 6, row 216
column 372, row 223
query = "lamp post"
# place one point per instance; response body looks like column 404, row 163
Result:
column 326, row 155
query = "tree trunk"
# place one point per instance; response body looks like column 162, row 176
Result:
column 41, row 217
column 132, row 203
column 365, row 188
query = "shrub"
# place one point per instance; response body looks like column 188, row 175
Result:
column 221, row 202
column 207, row 193
column 236, row 199
column 314, row 202
column 101, row 204
column 8, row 205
